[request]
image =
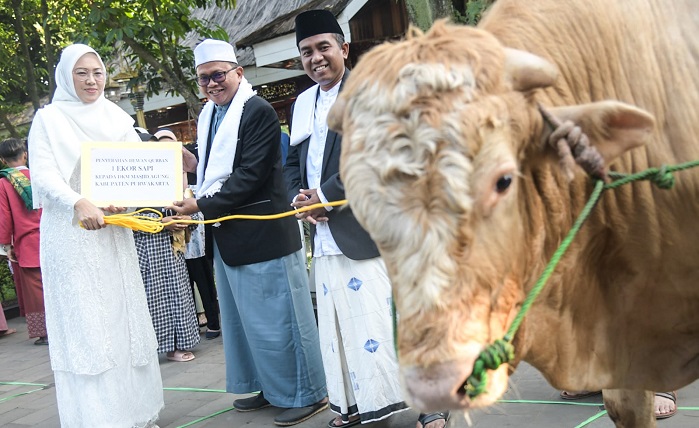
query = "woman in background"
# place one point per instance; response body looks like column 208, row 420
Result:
column 199, row 264
column 164, row 273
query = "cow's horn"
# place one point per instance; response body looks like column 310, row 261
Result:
column 528, row 71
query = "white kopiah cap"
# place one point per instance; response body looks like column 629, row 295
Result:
column 213, row 50
column 165, row 133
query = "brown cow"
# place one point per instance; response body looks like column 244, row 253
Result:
column 446, row 163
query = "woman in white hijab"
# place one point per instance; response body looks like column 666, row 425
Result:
column 103, row 347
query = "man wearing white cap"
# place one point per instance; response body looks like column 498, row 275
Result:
column 270, row 336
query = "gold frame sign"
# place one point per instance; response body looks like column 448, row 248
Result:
column 147, row 174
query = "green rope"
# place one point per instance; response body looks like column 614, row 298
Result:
column 661, row 177
column 394, row 320
column 42, row 387
column 502, row 351
column 503, row 348
column 20, row 394
column 562, row 403
column 592, row 419
column 23, row 384
column 196, row 421
column 195, row 390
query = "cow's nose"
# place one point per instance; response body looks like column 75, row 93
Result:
column 437, row 387
column 440, row 386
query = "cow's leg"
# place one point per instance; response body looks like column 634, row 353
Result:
column 630, row 408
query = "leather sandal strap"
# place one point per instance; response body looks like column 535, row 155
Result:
column 669, row 395
column 426, row 418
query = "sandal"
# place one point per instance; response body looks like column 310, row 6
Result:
column 351, row 423
column 202, row 320
column 7, row 332
column 426, row 418
column 180, row 356
column 578, row 395
column 672, row 396
column 42, row 341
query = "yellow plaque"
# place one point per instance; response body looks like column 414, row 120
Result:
column 146, row 174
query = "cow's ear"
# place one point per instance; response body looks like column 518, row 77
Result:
column 612, row 127
column 336, row 114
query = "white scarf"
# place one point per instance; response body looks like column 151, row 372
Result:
column 73, row 122
column 68, row 131
column 304, row 111
column 219, row 165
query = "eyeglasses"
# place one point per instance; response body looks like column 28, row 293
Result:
column 83, row 75
column 217, row 77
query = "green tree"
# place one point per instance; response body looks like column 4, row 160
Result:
column 472, row 11
column 422, row 13
column 148, row 34
column 29, row 36
column 20, row 62
column 47, row 33
column 25, row 57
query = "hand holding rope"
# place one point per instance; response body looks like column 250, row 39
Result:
column 136, row 221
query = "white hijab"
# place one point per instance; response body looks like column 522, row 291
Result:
column 74, row 122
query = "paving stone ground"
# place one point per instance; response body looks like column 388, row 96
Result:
column 27, row 398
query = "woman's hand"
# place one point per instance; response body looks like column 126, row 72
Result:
column 114, row 210
column 176, row 226
column 11, row 254
column 89, row 216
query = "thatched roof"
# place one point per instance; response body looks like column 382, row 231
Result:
column 284, row 23
column 254, row 21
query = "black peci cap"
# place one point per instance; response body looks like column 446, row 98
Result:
column 314, row 22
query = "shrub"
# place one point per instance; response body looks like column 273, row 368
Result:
column 7, row 285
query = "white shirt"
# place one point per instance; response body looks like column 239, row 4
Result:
column 324, row 244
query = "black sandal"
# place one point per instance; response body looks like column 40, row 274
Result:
column 426, row 418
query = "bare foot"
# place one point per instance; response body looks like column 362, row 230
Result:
column 202, row 320
column 7, row 332
column 181, row 356
column 337, row 422
column 665, row 404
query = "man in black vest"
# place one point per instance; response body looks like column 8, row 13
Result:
column 353, row 289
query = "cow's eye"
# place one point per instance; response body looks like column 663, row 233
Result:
column 503, row 183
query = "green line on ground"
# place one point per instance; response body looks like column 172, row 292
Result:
column 567, row 403
column 592, row 419
column 22, row 383
column 194, row 390
column 206, row 417
column 20, row 394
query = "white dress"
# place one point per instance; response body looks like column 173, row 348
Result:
column 103, row 347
